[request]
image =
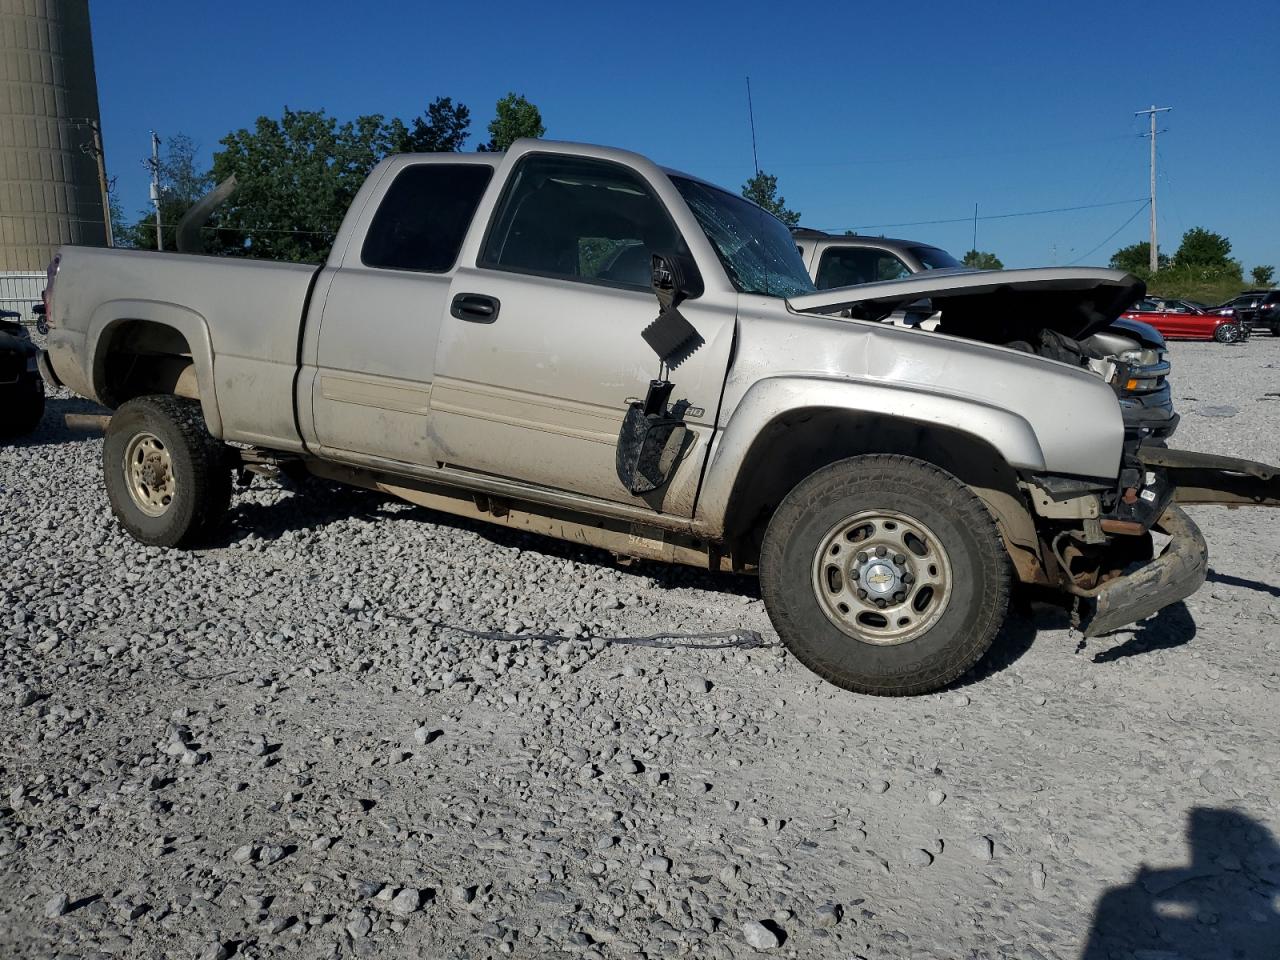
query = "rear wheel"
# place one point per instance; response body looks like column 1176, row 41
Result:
column 1227, row 333
column 885, row 575
column 168, row 480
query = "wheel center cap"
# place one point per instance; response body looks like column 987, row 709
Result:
column 880, row 578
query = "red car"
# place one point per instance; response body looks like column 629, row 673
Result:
column 1181, row 320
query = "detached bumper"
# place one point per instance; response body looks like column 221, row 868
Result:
column 1177, row 573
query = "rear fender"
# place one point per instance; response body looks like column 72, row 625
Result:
column 115, row 313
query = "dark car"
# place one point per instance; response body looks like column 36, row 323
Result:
column 1255, row 308
column 21, row 387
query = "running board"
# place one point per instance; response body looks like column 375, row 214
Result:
column 1200, row 478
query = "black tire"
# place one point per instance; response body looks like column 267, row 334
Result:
column 1275, row 328
column 21, row 406
column 965, row 530
column 1228, row 333
column 201, row 472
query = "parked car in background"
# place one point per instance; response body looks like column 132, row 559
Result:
column 1130, row 354
column 21, row 388
column 1181, row 320
column 1254, row 308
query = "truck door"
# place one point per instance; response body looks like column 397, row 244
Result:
column 374, row 352
column 541, row 348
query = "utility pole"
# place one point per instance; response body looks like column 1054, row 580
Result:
column 975, row 227
column 1155, row 259
column 155, row 186
column 100, row 154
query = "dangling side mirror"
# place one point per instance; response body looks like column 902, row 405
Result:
column 674, row 278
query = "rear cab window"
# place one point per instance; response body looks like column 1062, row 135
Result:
column 424, row 217
column 850, row 266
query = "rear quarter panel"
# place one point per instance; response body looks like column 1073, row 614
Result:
column 240, row 318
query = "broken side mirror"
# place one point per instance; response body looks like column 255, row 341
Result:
column 674, row 278
column 650, row 441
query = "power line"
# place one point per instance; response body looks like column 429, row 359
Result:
column 991, row 216
column 1133, row 216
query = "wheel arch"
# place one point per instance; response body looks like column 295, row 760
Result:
column 142, row 347
column 776, row 444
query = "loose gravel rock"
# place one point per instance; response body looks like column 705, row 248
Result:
column 354, row 727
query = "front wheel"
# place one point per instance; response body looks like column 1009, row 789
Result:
column 168, row 480
column 885, row 575
column 1227, row 333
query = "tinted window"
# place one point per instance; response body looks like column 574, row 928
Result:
column 579, row 219
column 849, row 266
column 424, row 217
column 756, row 248
column 934, row 259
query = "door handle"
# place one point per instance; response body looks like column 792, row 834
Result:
column 475, row 307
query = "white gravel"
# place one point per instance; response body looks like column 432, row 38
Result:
column 274, row 748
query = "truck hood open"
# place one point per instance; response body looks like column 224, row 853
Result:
column 993, row 304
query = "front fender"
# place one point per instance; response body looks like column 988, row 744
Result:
column 112, row 314
column 767, row 400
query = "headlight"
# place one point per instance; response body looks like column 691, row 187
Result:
column 1146, row 357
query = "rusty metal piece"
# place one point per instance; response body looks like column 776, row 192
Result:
column 87, row 422
column 1128, row 528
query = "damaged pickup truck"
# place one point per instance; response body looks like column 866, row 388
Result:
column 483, row 341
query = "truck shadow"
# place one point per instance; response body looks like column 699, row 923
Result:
column 1230, row 581
column 1171, row 627
column 316, row 503
column 1221, row 903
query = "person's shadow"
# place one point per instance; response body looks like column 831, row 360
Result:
column 1223, row 904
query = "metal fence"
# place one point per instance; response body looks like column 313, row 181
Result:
column 20, row 292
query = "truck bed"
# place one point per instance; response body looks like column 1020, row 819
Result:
column 241, row 319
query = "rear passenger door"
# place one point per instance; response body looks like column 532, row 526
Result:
column 376, row 348
column 851, row 266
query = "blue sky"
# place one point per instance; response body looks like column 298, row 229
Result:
column 869, row 113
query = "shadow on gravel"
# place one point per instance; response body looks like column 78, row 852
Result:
column 315, row 503
column 1171, row 627
column 1230, row 581
column 1220, row 904
column 53, row 429
column 309, row 506
column 1014, row 639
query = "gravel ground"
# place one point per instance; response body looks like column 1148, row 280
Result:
column 290, row 745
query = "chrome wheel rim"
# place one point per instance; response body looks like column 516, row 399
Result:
column 1230, row 333
column 148, row 473
column 882, row 577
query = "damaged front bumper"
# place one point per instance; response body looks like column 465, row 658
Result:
column 1175, row 574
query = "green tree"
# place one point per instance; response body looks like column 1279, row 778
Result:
column 442, row 128
column 1136, row 258
column 182, row 182
column 1203, row 248
column 762, row 190
column 514, row 117
column 982, row 260
column 297, row 176
column 1263, row 276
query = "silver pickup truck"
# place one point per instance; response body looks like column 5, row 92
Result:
column 573, row 340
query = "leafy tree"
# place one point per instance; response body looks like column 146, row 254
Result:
column 443, row 128
column 182, row 183
column 982, row 260
column 1136, row 258
column 515, row 117
column 762, row 190
column 1263, row 276
column 297, row 177
column 1203, row 248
